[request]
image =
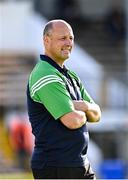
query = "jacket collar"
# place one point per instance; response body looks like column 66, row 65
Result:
column 54, row 64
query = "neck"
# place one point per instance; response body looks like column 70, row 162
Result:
column 59, row 62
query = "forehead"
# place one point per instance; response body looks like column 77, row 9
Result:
column 62, row 29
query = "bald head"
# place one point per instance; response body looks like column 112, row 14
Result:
column 58, row 40
column 53, row 24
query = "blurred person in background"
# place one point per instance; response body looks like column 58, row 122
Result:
column 59, row 108
column 115, row 24
column 20, row 139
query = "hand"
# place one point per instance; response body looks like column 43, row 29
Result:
column 92, row 110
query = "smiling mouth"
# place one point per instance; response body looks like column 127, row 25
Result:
column 67, row 50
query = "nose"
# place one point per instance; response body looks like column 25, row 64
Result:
column 68, row 42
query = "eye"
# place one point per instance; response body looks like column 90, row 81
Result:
column 71, row 38
column 63, row 38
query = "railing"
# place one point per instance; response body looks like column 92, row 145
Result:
column 14, row 72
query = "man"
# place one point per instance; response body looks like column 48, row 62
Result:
column 59, row 108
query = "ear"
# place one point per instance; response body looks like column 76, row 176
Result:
column 46, row 39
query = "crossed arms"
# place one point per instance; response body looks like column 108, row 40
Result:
column 84, row 111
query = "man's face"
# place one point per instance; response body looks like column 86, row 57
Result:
column 60, row 42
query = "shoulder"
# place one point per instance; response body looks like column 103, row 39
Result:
column 43, row 71
column 74, row 76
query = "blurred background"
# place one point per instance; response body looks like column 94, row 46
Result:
column 100, row 58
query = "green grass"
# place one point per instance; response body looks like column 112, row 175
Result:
column 16, row 176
